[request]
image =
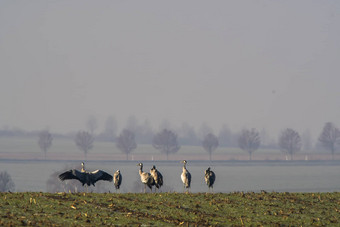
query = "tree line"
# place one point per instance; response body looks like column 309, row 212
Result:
column 167, row 141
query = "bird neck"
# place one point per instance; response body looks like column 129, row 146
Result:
column 141, row 170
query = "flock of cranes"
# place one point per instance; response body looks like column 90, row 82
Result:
column 149, row 179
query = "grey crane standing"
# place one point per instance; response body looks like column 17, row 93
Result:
column 117, row 179
column 209, row 177
column 85, row 177
column 157, row 176
column 146, row 178
column 185, row 176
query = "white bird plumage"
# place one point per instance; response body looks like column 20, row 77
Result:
column 146, row 178
column 185, row 176
column 117, row 179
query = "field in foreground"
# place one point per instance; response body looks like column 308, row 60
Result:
column 167, row 209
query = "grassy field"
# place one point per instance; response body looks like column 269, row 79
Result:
column 170, row 209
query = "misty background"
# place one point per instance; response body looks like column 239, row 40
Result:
column 256, row 64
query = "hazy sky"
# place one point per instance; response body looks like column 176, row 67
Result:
column 263, row 64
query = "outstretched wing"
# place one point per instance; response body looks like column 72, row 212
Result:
column 100, row 175
column 72, row 174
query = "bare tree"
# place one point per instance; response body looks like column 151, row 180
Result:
column 249, row 141
column 126, row 142
column 290, row 142
column 329, row 137
column 6, row 183
column 92, row 124
column 45, row 141
column 166, row 142
column 210, row 143
column 84, row 141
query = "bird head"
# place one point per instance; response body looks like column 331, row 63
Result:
column 118, row 171
column 184, row 161
column 153, row 167
column 140, row 164
column 207, row 170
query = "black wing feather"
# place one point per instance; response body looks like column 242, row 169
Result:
column 72, row 174
column 160, row 179
column 100, row 175
column 189, row 179
column 210, row 178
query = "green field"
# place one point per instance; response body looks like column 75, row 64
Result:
column 170, row 209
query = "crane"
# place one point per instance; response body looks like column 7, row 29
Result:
column 117, row 179
column 209, row 177
column 185, row 176
column 157, row 176
column 146, row 178
column 85, row 177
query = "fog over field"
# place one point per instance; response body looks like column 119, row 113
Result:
column 262, row 64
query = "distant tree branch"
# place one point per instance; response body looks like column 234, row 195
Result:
column 249, row 141
column 210, row 143
column 84, row 141
column 290, row 142
column 6, row 183
column 126, row 142
column 166, row 142
column 330, row 137
column 45, row 141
